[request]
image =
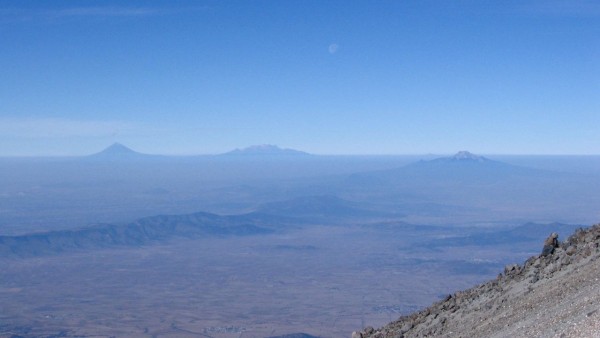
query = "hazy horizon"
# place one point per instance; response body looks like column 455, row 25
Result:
column 391, row 77
column 177, row 154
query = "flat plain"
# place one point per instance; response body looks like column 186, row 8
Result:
column 354, row 251
column 324, row 281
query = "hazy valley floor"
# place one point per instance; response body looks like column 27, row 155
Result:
column 324, row 281
column 348, row 260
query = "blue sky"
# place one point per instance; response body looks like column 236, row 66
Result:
column 327, row 77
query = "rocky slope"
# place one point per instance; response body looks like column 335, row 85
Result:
column 554, row 296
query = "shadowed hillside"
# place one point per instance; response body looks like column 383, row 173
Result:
column 143, row 231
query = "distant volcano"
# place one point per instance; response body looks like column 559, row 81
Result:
column 463, row 167
column 460, row 159
column 118, row 151
column 465, row 156
column 266, row 150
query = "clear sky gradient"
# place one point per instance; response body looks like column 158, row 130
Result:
column 326, row 77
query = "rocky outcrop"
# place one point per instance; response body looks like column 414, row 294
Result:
column 557, row 295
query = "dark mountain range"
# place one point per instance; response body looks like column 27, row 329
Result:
column 265, row 150
column 143, row 231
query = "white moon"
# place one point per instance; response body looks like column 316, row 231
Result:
column 333, row 48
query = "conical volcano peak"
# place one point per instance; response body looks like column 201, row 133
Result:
column 117, row 148
column 117, row 151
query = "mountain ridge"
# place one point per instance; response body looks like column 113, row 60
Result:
column 143, row 231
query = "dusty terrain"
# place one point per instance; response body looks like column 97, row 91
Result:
column 361, row 251
column 323, row 281
column 555, row 296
